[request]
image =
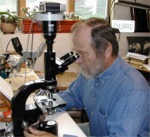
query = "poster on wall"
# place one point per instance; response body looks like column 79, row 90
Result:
column 140, row 45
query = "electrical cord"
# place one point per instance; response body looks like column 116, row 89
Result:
column 7, row 46
column 32, row 39
column 119, row 37
column 3, row 64
column 31, row 32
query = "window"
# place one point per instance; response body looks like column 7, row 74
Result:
column 33, row 3
column 88, row 8
column 82, row 8
column 10, row 5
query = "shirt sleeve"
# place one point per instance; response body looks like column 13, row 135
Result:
column 72, row 96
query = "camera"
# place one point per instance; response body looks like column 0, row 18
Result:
column 52, row 7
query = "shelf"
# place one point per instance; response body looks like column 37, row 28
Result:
column 62, row 26
column 132, row 4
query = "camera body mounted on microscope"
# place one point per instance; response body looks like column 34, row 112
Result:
column 46, row 99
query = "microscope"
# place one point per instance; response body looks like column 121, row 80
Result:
column 46, row 100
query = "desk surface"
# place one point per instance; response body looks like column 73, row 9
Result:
column 66, row 125
column 65, row 79
column 138, row 66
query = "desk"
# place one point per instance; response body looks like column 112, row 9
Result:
column 141, row 68
column 20, row 78
column 66, row 125
column 63, row 79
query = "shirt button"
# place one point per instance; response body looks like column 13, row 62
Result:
column 92, row 113
column 102, row 81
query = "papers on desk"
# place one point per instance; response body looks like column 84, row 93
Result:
column 9, row 85
column 137, row 56
column 21, row 78
column 138, row 60
column 6, row 89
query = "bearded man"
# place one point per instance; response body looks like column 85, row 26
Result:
column 114, row 95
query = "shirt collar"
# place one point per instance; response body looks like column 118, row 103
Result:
column 111, row 71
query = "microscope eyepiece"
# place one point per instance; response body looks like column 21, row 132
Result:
column 67, row 55
column 71, row 59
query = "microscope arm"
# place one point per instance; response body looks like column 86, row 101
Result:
column 19, row 112
column 29, row 57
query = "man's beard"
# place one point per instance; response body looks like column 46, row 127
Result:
column 93, row 69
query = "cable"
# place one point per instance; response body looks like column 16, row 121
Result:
column 7, row 46
column 32, row 39
column 31, row 31
column 28, row 48
column 119, row 37
column 3, row 64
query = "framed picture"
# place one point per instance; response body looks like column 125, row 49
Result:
column 139, row 45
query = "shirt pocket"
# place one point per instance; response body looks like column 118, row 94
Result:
column 103, row 118
column 103, row 115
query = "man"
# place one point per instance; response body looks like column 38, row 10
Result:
column 114, row 95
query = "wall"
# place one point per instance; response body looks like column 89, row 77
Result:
column 61, row 46
column 118, row 13
column 123, row 13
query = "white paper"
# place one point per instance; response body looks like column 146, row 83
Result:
column 124, row 25
column 137, row 56
column 6, row 89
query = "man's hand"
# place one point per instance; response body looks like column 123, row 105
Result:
column 37, row 133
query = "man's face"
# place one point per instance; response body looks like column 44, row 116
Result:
column 90, row 64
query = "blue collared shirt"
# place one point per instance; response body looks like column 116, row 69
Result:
column 117, row 101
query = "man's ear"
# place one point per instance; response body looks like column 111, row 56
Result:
column 108, row 51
